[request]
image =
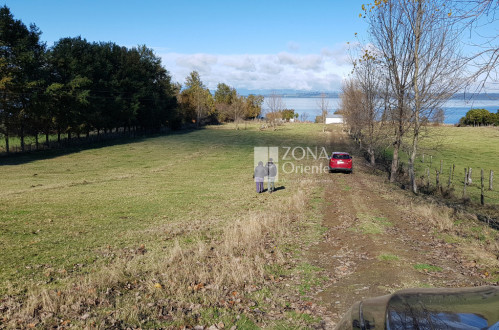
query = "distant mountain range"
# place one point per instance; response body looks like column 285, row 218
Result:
column 481, row 96
column 334, row 94
column 286, row 92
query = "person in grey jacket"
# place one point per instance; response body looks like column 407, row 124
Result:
column 272, row 173
column 259, row 175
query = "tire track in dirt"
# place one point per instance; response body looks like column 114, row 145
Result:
column 372, row 243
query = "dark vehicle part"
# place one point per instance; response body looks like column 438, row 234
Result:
column 464, row 308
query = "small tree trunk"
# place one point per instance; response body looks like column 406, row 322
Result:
column 412, row 173
column 7, row 142
column 22, row 138
column 395, row 163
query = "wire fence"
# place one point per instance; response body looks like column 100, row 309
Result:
column 56, row 143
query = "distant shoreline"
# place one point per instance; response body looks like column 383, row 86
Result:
column 317, row 94
column 454, row 109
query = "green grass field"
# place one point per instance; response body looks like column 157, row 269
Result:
column 464, row 147
column 58, row 212
column 65, row 216
column 158, row 219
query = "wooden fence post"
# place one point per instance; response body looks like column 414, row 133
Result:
column 423, row 158
column 428, row 178
column 453, row 169
column 438, row 180
column 441, row 165
column 470, row 180
column 491, row 179
column 450, row 177
column 482, row 179
column 431, row 160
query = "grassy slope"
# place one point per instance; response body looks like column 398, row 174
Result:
column 70, row 215
column 59, row 211
column 474, row 147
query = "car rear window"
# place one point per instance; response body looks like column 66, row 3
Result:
column 341, row 156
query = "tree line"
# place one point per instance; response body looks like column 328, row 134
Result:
column 410, row 66
column 479, row 117
column 77, row 87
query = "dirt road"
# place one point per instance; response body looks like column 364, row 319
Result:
column 374, row 244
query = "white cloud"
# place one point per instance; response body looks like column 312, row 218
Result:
column 245, row 63
column 340, row 54
column 198, row 62
column 270, row 67
column 323, row 71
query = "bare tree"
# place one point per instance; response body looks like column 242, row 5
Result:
column 370, row 79
column 437, row 67
column 392, row 39
column 275, row 105
column 323, row 105
column 238, row 108
column 416, row 43
column 350, row 107
column 304, row 117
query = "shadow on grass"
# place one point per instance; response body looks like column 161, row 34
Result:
column 247, row 139
column 279, row 188
column 19, row 158
column 275, row 189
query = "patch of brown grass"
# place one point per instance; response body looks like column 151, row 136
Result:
column 166, row 287
column 437, row 215
column 477, row 242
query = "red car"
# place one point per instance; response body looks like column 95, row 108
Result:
column 340, row 161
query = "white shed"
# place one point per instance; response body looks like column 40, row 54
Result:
column 334, row 119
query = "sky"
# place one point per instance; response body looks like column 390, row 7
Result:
column 249, row 45
column 252, row 45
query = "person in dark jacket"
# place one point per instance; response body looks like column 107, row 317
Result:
column 272, row 173
column 259, row 175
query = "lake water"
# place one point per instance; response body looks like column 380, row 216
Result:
column 454, row 109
